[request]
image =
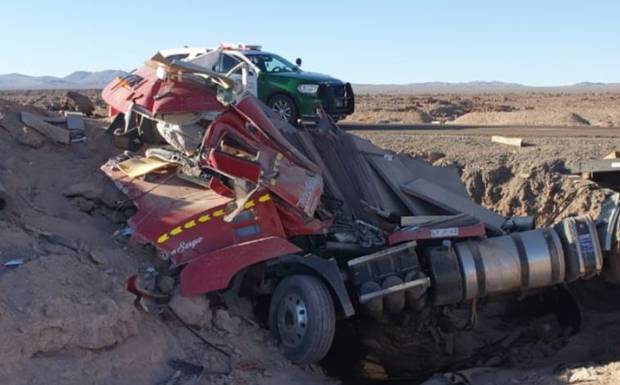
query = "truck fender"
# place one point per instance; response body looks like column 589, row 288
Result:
column 214, row 271
column 325, row 269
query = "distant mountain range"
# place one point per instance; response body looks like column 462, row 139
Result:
column 85, row 79
column 478, row 87
column 76, row 80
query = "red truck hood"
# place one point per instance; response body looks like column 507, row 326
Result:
column 146, row 93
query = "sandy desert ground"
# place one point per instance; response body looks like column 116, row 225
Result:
column 66, row 318
column 523, row 109
column 579, row 109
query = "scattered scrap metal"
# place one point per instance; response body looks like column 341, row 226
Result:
column 518, row 142
column 605, row 172
column 50, row 127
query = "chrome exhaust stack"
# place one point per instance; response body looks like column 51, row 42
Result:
column 576, row 248
column 517, row 262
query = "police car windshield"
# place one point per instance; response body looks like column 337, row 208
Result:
column 271, row 63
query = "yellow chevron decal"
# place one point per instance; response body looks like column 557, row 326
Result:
column 163, row 238
column 207, row 217
column 218, row 213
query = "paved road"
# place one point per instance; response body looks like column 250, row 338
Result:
column 454, row 129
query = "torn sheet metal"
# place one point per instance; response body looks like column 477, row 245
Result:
column 75, row 120
column 453, row 203
column 55, row 133
column 440, row 232
column 13, row 263
column 135, row 167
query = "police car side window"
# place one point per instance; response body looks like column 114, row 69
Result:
column 227, row 63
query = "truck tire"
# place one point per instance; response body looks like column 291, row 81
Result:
column 284, row 106
column 302, row 318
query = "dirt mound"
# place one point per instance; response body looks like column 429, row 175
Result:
column 65, row 315
column 60, row 314
column 586, row 357
column 447, row 110
column 486, row 107
column 544, row 191
column 531, row 108
column 409, row 109
column 55, row 100
column 579, row 120
column 523, row 118
column 400, row 114
column 531, row 180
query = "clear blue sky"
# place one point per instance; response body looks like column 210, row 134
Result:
column 532, row 42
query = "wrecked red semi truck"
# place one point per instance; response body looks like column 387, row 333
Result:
column 320, row 221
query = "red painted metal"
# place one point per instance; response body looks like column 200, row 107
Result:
column 186, row 222
column 290, row 175
column 220, row 188
column 154, row 96
column 112, row 112
column 424, row 233
column 214, row 271
column 234, row 166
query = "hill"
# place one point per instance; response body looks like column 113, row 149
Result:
column 476, row 87
column 75, row 80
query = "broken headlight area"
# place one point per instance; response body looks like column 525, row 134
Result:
column 152, row 288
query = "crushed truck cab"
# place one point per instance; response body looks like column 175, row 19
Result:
column 236, row 200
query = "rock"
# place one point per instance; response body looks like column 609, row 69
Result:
column 29, row 137
column 193, row 311
column 54, row 106
column 86, row 190
column 84, row 205
column 224, row 321
column 579, row 120
column 166, row 284
column 494, row 361
column 67, row 308
column 373, row 370
column 78, row 102
column 433, row 156
column 98, row 257
column 111, row 196
column 511, row 338
column 580, row 375
column 445, row 162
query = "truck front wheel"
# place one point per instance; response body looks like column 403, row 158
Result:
column 302, row 317
column 284, row 107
